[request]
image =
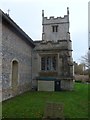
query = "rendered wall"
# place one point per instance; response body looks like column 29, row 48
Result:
column 45, row 85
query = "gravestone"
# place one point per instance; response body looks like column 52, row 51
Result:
column 53, row 111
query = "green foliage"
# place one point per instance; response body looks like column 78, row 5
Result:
column 32, row 104
column 78, row 81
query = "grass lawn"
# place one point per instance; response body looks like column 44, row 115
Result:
column 31, row 104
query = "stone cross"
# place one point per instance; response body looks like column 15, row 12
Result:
column 8, row 11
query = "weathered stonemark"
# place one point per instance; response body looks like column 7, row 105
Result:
column 53, row 111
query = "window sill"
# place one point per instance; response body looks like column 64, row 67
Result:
column 48, row 73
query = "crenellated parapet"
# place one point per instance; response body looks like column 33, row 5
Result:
column 57, row 20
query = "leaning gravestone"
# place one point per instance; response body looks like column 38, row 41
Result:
column 53, row 111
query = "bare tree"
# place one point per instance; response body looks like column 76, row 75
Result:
column 86, row 60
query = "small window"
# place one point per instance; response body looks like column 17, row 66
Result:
column 55, row 28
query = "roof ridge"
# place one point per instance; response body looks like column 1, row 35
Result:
column 14, row 24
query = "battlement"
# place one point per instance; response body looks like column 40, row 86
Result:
column 52, row 17
column 58, row 20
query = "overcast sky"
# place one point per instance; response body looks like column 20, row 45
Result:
column 28, row 15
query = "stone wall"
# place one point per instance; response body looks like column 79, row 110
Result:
column 82, row 78
column 67, row 84
column 15, row 48
column 50, row 45
column 60, row 49
column 63, row 28
column 0, row 62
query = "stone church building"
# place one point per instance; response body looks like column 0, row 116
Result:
column 26, row 64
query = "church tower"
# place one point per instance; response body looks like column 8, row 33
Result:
column 54, row 55
column 55, row 29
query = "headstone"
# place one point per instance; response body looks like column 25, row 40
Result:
column 53, row 111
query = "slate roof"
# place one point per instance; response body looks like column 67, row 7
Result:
column 14, row 27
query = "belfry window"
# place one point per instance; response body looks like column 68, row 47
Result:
column 55, row 28
column 48, row 63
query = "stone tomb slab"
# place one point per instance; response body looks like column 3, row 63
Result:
column 53, row 111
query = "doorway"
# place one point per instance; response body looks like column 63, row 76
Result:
column 57, row 85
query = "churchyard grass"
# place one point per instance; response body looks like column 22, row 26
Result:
column 32, row 104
